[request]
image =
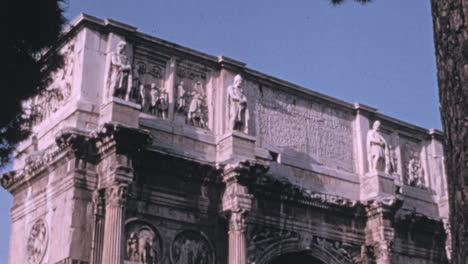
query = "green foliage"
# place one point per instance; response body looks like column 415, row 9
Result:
column 30, row 29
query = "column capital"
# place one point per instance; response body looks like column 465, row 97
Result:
column 116, row 195
column 237, row 176
column 385, row 206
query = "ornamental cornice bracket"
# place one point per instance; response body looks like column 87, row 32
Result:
column 243, row 172
column 385, row 205
column 121, row 139
column 78, row 142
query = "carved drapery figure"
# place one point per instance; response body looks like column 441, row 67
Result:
column 120, row 72
column 237, row 103
column 377, row 150
column 196, row 112
column 180, row 104
column 415, row 172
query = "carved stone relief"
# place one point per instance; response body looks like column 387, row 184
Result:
column 58, row 93
column 120, row 72
column 142, row 244
column 303, row 129
column 36, row 245
column 261, row 238
column 413, row 172
column 152, row 95
column 191, row 94
column 237, row 106
column 190, row 247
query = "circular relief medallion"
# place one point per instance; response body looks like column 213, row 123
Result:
column 37, row 242
column 190, row 247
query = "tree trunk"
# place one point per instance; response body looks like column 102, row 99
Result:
column 450, row 18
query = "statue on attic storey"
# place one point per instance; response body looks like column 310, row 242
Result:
column 237, row 104
column 377, row 150
column 120, row 74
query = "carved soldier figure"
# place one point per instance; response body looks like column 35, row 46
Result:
column 154, row 95
column 376, row 149
column 120, row 72
column 148, row 256
column 180, row 97
column 238, row 111
column 415, row 177
column 132, row 247
column 162, row 102
column 195, row 115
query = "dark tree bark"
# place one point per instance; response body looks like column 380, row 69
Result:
column 450, row 18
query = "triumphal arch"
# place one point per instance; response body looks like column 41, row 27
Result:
column 145, row 151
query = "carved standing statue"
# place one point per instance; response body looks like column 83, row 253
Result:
column 195, row 114
column 377, row 149
column 120, row 72
column 238, row 111
column 180, row 97
column 163, row 103
column 132, row 247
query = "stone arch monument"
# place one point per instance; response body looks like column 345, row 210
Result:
column 153, row 153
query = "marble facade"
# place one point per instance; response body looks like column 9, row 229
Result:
column 144, row 151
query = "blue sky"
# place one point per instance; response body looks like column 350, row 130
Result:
column 380, row 54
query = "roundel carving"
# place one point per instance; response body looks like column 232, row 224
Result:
column 36, row 245
column 190, row 247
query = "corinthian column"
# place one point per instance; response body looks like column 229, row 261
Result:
column 113, row 234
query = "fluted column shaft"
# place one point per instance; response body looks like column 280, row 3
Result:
column 114, row 219
column 237, row 243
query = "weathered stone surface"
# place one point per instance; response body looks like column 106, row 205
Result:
column 163, row 155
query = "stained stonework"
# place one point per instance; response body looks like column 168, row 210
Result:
column 163, row 154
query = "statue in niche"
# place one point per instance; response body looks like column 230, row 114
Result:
column 377, row 150
column 120, row 72
column 196, row 110
column 415, row 172
column 238, row 111
column 141, row 246
column 180, row 104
